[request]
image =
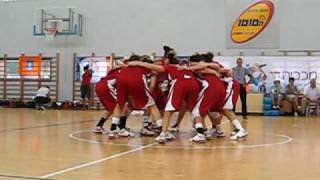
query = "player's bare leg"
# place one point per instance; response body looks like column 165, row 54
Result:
column 99, row 127
column 175, row 127
column 241, row 132
column 216, row 130
column 165, row 135
column 119, row 121
column 200, row 136
column 146, row 129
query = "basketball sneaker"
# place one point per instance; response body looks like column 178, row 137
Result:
column 174, row 129
column 164, row 137
column 125, row 133
column 234, row 132
column 209, row 133
column 99, row 130
column 170, row 136
column 146, row 132
column 219, row 134
column 127, row 128
column 161, row 139
column 239, row 134
column 200, row 138
column 156, row 129
column 113, row 134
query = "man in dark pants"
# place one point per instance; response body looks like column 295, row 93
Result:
column 240, row 73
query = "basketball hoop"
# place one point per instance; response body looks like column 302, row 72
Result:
column 52, row 28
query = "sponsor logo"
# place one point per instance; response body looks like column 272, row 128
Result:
column 252, row 21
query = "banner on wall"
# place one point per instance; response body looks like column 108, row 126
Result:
column 267, row 69
column 252, row 24
column 100, row 65
column 30, row 65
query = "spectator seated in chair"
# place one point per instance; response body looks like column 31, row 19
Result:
column 277, row 93
column 311, row 95
column 42, row 98
column 291, row 94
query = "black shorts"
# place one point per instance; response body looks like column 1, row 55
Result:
column 85, row 91
column 42, row 100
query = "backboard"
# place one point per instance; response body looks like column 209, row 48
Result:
column 67, row 20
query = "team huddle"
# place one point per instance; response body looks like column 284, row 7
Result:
column 167, row 85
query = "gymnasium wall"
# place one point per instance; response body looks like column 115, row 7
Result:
column 125, row 26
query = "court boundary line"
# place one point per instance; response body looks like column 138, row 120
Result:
column 87, row 164
column 71, row 135
column 23, row 177
column 44, row 126
column 288, row 140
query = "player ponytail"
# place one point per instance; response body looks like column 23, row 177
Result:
column 166, row 50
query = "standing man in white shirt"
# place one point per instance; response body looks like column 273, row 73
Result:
column 311, row 94
column 239, row 74
column 42, row 97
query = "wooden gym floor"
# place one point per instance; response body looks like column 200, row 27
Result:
column 59, row 145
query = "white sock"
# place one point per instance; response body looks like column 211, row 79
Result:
column 237, row 124
column 159, row 122
column 198, row 125
column 115, row 120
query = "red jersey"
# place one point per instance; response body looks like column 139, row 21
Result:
column 112, row 74
column 184, row 87
column 161, row 76
column 133, row 73
column 179, row 75
column 110, row 81
column 86, row 78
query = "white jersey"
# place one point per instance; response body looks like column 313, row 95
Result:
column 43, row 92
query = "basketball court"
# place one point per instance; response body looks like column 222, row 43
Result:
column 54, row 44
column 60, row 145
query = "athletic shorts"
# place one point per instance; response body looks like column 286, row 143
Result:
column 85, row 91
column 211, row 98
column 232, row 94
column 182, row 91
column 137, row 89
column 160, row 98
column 107, row 99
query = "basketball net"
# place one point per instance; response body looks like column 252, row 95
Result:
column 52, row 29
column 50, row 33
